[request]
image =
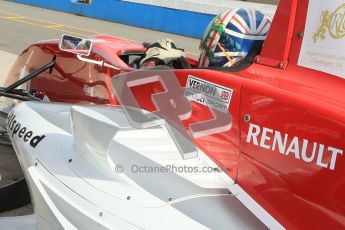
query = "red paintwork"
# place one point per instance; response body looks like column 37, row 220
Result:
column 284, row 97
column 275, row 53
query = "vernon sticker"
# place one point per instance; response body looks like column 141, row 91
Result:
column 208, row 93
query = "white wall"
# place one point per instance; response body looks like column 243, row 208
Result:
column 207, row 6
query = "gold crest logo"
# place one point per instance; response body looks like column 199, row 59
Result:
column 332, row 23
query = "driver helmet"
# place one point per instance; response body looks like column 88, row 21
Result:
column 231, row 35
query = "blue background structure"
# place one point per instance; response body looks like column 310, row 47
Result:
column 183, row 22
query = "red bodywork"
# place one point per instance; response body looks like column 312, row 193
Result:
column 276, row 93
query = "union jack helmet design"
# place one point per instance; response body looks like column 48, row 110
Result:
column 231, row 35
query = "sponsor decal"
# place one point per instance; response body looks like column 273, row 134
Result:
column 16, row 128
column 332, row 23
column 208, row 94
column 324, row 36
column 302, row 149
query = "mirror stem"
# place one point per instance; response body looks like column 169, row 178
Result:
column 100, row 63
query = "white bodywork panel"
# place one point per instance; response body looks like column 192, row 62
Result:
column 73, row 175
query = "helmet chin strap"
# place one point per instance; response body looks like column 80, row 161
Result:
column 226, row 54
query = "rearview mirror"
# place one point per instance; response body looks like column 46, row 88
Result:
column 75, row 45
